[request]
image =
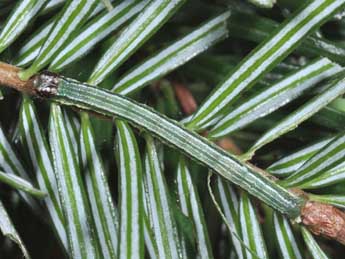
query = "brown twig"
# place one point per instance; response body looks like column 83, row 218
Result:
column 325, row 220
column 186, row 99
column 229, row 145
column 9, row 77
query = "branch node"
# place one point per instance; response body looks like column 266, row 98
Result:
column 324, row 219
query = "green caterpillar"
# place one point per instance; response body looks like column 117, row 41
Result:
column 73, row 93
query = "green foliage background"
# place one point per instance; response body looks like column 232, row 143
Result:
column 268, row 77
